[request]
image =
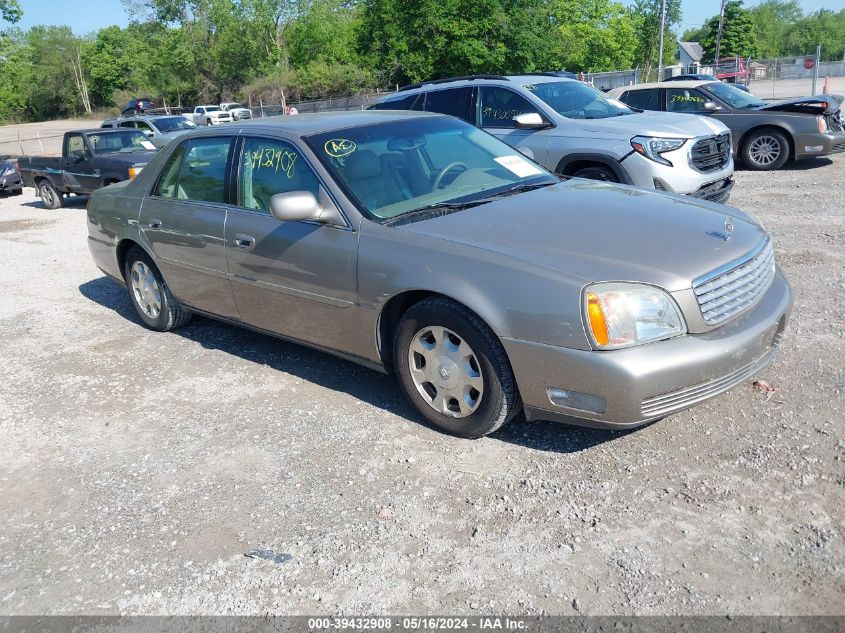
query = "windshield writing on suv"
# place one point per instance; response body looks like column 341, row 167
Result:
column 432, row 164
column 123, row 141
column 577, row 100
column 173, row 124
column 733, row 96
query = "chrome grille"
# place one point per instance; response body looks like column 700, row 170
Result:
column 726, row 294
column 711, row 153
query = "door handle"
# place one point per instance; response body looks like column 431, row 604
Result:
column 154, row 224
column 244, row 241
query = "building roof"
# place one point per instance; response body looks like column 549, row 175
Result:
column 693, row 50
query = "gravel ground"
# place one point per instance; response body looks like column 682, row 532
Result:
column 137, row 469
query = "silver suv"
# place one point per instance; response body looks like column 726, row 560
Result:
column 160, row 129
column 575, row 130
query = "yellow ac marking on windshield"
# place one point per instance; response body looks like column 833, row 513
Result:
column 339, row 147
column 276, row 159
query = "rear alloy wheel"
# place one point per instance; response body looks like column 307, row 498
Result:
column 153, row 301
column 765, row 150
column 454, row 370
column 596, row 172
column 50, row 198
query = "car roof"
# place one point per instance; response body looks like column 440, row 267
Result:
column 101, row 130
column 470, row 80
column 307, row 124
column 688, row 83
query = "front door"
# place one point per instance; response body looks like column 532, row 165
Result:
column 497, row 106
column 182, row 222
column 298, row 279
column 77, row 165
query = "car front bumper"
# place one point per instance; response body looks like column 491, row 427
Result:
column 645, row 383
column 678, row 178
column 12, row 182
column 819, row 144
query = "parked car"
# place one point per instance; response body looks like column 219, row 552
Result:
column 765, row 134
column 575, row 130
column 160, row 129
column 90, row 159
column 238, row 111
column 209, row 115
column 10, row 178
column 137, row 106
column 700, row 77
column 419, row 244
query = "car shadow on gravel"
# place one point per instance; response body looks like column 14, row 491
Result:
column 806, row 164
column 74, row 202
column 337, row 374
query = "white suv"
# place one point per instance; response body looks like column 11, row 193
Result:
column 575, row 130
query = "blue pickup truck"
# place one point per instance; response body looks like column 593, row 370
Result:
column 90, row 159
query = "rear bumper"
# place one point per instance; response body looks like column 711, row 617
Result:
column 646, row 383
column 819, row 144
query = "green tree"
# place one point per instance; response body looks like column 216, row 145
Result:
column 824, row 27
column 594, row 35
column 10, row 10
column 738, row 35
column 646, row 15
column 772, row 20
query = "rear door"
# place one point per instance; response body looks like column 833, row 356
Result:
column 298, row 279
column 183, row 220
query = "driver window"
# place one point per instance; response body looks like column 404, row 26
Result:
column 269, row 167
column 684, row 100
column 499, row 106
column 76, row 146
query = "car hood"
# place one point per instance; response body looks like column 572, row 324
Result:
column 604, row 232
column 818, row 104
column 664, row 124
column 132, row 158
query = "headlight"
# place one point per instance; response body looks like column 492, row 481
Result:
column 620, row 314
column 652, row 147
column 134, row 171
column 822, row 122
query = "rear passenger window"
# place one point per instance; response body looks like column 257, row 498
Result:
column 499, row 106
column 411, row 102
column 203, row 173
column 456, row 102
column 642, row 99
column 169, row 179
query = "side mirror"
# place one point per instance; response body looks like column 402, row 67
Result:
column 300, row 206
column 529, row 121
column 709, row 106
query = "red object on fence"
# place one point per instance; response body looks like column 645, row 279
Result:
column 809, row 63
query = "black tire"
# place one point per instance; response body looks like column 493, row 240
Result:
column 755, row 156
column 17, row 192
column 208, row 122
column 171, row 315
column 499, row 402
column 596, row 172
column 50, row 198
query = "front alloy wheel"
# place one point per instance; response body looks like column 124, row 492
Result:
column 766, row 150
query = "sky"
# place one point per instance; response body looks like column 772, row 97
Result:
column 84, row 16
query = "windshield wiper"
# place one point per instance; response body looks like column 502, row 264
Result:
column 433, row 210
column 520, row 189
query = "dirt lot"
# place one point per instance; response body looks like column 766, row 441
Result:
column 136, row 468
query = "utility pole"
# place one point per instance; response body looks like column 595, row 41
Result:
column 719, row 34
column 662, row 28
column 816, row 68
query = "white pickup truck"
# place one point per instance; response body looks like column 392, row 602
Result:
column 237, row 110
column 209, row 115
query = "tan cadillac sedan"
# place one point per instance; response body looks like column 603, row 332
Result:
column 419, row 244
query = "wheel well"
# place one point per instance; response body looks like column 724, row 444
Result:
column 122, row 249
column 578, row 165
column 110, row 181
column 776, row 128
column 389, row 319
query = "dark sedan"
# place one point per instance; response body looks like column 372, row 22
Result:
column 10, row 178
column 765, row 134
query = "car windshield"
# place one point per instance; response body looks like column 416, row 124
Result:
column 577, row 100
column 124, row 141
column 733, row 96
column 173, row 124
column 406, row 170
